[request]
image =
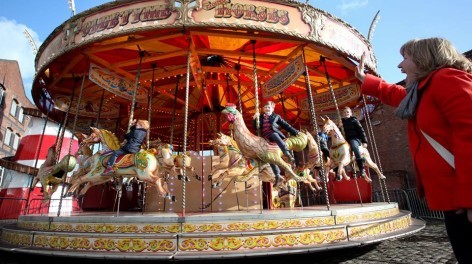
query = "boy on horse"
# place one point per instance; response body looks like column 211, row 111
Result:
column 355, row 135
column 269, row 124
column 134, row 140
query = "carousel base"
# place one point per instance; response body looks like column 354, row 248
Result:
column 240, row 234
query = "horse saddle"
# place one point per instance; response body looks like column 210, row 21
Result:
column 125, row 161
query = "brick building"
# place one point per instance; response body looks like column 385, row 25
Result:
column 391, row 140
column 12, row 100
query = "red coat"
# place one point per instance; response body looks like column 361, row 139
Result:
column 444, row 113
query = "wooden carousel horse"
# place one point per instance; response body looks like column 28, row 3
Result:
column 170, row 164
column 232, row 163
column 83, row 155
column 180, row 166
column 340, row 153
column 51, row 174
column 308, row 165
column 142, row 165
column 254, row 147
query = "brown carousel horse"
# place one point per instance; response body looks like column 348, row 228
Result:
column 340, row 153
column 51, row 174
column 142, row 165
column 232, row 163
column 254, row 147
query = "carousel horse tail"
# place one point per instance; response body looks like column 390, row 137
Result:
column 297, row 143
column 66, row 165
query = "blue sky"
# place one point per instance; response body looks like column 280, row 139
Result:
column 400, row 21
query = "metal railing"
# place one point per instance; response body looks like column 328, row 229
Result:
column 409, row 200
column 11, row 208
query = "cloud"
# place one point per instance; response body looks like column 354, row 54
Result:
column 16, row 46
column 351, row 4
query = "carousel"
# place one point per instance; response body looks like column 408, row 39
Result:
column 202, row 185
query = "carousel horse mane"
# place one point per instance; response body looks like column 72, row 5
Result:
column 107, row 138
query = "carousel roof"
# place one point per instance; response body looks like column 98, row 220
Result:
column 180, row 62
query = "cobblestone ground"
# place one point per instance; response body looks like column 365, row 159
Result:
column 430, row 245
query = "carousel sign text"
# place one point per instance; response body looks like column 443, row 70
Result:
column 226, row 9
column 122, row 18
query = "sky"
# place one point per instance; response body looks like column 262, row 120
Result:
column 399, row 21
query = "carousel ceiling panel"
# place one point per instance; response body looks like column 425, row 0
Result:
column 222, row 43
column 215, row 60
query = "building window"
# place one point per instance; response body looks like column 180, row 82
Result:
column 21, row 117
column 16, row 110
column 14, row 105
column 2, row 96
column 2, row 172
column 8, row 136
column 12, row 139
column 16, row 141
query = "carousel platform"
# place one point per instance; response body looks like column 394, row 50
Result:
column 232, row 234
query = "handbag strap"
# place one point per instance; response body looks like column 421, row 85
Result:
column 442, row 151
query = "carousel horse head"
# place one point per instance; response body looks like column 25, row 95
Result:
column 231, row 112
column 328, row 125
column 52, row 155
column 84, row 148
column 224, row 140
column 93, row 137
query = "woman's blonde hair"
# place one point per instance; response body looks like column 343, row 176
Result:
column 143, row 123
column 434, row 53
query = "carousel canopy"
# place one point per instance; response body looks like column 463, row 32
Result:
column 178, row 63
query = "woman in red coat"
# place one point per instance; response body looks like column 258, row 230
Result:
column 437, row 103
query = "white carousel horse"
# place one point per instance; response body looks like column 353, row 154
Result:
column 232, row 163
column 340, row 153
column 51, row 174
column 142, row 165
column 254, row 147
column 170, row 164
